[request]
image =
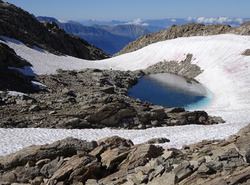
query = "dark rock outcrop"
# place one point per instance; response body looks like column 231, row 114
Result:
column 186, row 30
column 13, row 80
column 246, row 53
column 184, row 68
column 116, row 160
column 19, row 24
column 8, row 58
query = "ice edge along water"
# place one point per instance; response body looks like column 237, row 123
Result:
column 226, row 75
column 168, row 83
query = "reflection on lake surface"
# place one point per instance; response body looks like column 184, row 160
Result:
column 171, row 90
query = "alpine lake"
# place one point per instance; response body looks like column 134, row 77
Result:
column 170, row 90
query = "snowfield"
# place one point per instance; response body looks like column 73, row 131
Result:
column 226, row 74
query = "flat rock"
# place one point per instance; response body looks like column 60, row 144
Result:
column 158, row 140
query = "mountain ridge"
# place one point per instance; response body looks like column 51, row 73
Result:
column 19, row 24
column 187, row 30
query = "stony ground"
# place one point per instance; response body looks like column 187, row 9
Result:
column 94, row 98
column 114, row 161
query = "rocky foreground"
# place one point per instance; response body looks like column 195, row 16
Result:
column 116, row 160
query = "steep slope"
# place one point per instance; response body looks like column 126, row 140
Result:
column 186, row 30
column 19, row 24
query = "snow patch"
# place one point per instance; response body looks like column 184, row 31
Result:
column 13, row 140
column 38, row 84
column 14, row 93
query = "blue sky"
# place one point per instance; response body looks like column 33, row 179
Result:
column 132, row 9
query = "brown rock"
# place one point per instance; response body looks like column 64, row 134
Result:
column 37, row 181
column 78, row 169
column 25, row 174
column 141, row 177
column 111, row 158
column 167, row 154
column 92, row 182
column 108, row 90
column 8, row 177
column 34, row 108
column 139, row 156
column 115, row 141
column 243, row 145
column 182, row 171
column 66, row 147
column 119, row 177
column 166, row 179
column 111, row 114
column 158, row 140
column 98, row 151
column 51, row 167
column 241, row 177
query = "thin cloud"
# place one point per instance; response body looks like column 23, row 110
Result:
column 215, row 20
column 138, row 21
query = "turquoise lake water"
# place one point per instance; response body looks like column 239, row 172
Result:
column 171, row 90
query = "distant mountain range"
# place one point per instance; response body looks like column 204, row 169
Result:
column 129, row 30
column 109, row 39
column 162, row 24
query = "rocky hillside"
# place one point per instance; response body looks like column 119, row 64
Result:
column 19, row 24
column 186, row 30
column 118, row 161
column 93, row 98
